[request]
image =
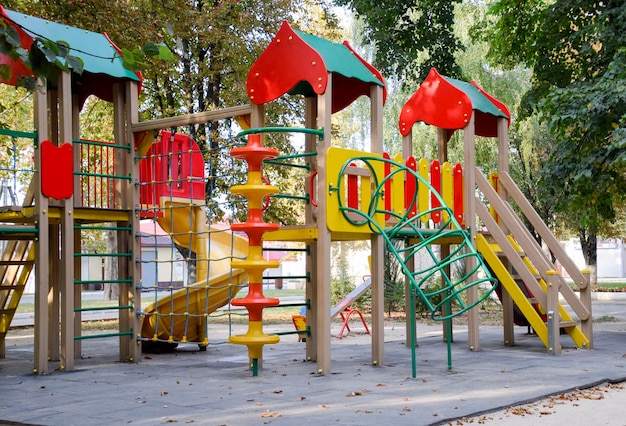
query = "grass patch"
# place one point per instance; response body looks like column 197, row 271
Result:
column 611, row 287
column 605, row 318
column 30, row 307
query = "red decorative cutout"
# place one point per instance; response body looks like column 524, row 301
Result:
column 387, row 194
column 57, row 170
column 280, row 68
column 438, row 103
column 410, row 188
column 459, row 200
column 18, row 68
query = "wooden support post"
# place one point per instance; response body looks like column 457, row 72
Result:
column 322, row 304
column 508, row 318
column 407, row 150
column 377, row 241
column 470, row 221
column 554, row 318
column 42, row 270
column 54, row 307
column 67, row 233
column 444, row 249
column 586, row 324
column 312, row 288
column 125, row 104
column 78, row 302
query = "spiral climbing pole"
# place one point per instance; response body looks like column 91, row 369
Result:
column 255, row 191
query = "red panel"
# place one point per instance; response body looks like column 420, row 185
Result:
column 438, row 103
column 435, row 181
column 388, row 193
column 457, row 184
column 287, row 61
column 17, row 67
column 57, row 170
column 353, row 190
column 410, row 189
column 173, row 168
column 186, row 169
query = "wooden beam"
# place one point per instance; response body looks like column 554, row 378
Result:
column 41, row 248
column 322, row 306
column 189, row 119
column 470, row 222
column 377, row 241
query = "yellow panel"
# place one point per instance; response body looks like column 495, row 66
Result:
column 336, row 159
column 298, row 233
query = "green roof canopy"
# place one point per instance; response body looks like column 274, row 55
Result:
column 102, row 62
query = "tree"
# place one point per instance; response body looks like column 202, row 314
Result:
column 410, row 37
column 573, row 48
column 589, row 176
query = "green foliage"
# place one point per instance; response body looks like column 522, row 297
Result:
column 135, row 59
column 589, row 174
column 574, row 48
column 410, row 37
column 41, row 58
column 394, row 280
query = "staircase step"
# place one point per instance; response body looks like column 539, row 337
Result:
column 568, row 324
column 16, row 262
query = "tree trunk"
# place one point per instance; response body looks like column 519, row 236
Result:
column 588, row 244
column 111, row 291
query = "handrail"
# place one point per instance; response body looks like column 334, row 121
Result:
column 318, row 132
column 533, row 217
column 528, row 244
column 189, row 119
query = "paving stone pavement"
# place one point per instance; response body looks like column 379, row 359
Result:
column 216, row 387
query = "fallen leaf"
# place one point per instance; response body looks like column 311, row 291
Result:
column 163, row 393
column 268, row 413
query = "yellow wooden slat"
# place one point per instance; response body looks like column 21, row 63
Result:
column 575, row 333
column 509, row 284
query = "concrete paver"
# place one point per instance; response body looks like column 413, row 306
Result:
column 216, row 388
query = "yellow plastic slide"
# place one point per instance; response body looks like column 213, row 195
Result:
column 181, row 315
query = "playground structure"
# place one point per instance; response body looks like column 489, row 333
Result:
column 351, row 195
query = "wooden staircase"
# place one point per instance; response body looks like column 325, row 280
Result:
column 16, row 264
column 515, row 256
